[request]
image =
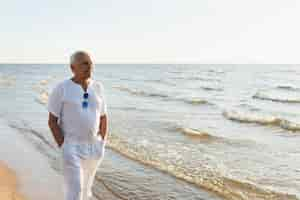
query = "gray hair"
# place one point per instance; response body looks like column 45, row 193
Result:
column 76, row 54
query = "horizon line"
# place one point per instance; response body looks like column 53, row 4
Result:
column 146, row 63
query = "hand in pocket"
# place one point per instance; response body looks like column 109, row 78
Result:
column 100, row 147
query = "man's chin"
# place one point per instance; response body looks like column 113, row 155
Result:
column 86, row 76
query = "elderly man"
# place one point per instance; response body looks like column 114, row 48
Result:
column 78, row 122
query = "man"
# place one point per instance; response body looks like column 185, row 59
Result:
column 78, row 122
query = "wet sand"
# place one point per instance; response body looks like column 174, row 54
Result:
column 9, row 184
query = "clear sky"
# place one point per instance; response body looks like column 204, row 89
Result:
column 151, row 31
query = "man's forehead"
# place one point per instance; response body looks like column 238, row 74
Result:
column 81, row 57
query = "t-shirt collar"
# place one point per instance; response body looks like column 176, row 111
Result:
column 78, row 85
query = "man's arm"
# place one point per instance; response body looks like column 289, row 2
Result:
column 103, row 126
column 55, row 129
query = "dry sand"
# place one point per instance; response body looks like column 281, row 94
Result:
column 8, row 184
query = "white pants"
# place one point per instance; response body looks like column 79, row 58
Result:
column 80, row 164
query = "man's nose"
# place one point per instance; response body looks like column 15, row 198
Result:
column 87, row 67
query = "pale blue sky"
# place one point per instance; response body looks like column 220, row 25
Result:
column 151, row 31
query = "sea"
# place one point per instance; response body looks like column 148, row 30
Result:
column 176, row 131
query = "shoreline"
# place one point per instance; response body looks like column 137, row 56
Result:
column 24, row 170
column 9, row 184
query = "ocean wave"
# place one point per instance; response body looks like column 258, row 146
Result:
column 244, row 117
column 44, row 82
column 288, row 87
column 216, row 71
column 262, row 96
column 190, row 100
column 43, row 98
column 204, row 176
column 194, row 101
column 38, row 139
column 7, row 81
column 250, row 107
column 211, row 88
column 175, row 72
column 26, row 129
column 42, row 89
column 140, row 93
column 161, row 81
column 206, row 79
column 195, row 133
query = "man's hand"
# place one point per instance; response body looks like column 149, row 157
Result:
column 102, row 135
column 103, row 127
column 60, row 144
column 55, row 129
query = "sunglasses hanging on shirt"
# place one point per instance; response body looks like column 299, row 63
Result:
column 85, row 102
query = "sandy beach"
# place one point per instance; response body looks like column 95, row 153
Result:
column 9, row 184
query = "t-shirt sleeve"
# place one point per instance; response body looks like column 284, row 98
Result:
column 55, row 100
column 104, row 105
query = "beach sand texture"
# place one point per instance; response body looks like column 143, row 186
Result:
column 9, row 184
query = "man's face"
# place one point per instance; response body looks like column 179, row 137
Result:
column 82, row 67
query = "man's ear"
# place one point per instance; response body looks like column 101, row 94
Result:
column 72, row 67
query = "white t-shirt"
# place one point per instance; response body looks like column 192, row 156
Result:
column 78, row 124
